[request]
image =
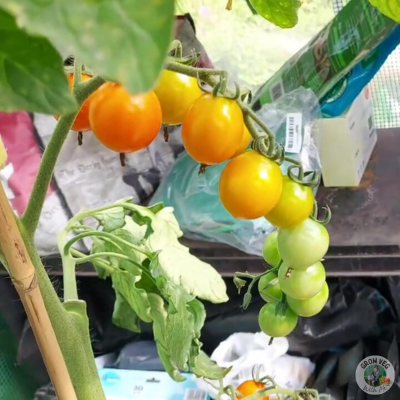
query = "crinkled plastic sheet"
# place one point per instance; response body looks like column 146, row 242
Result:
column 195, row 197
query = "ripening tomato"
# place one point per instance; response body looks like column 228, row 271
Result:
column 312, row 306
column 294, row 206
column 269, row 293
column 250, row 185
column 276, row 323
column 270, row 251
column 81, row 123
column 244, row 141
column 302, row 284
column 176, row 93
column 124, row 122
column 250, row 387
column 212, row 129
column 304, row 244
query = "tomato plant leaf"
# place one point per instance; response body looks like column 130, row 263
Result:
column 155, row 208
column 111, row 219
column 389, row 8
column 124, row 316
column 32, row 75
column 125, row 284
column 205, row 367
column 124, row 41
column 178, row 265
column 282, row 13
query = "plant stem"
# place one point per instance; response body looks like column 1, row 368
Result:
column 24, row 278
column 30, row 218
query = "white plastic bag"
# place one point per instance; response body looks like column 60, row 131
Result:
column 244, row 351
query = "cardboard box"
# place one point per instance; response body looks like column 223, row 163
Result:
column 345, row 143
column 119, row 384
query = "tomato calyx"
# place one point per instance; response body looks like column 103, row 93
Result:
column 327, row 214
column 122, row 159
column 309, row 178
column 166, row 133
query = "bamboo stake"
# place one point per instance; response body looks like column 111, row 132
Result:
column 23, row 276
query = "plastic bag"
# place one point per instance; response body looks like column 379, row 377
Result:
column 195, row 197
column 244, row 351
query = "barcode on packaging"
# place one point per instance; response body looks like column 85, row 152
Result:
column 195, row 394
column 276, row 91
column 294, row 134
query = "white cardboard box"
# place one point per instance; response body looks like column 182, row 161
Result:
column 345, row 143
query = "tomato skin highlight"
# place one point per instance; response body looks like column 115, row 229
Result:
column 123, row 122
column 302, row 284
column 276, row 325
column 304, row 244
column 312, row 306
column 250, row 387
column 244, row 141
column 176, row 93
column 250, row 185
column 81, row 122
column 294, row 206
column 212, row 129
column 270, row 251
column 271, row 294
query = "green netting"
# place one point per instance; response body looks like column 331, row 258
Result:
column 15, row 382
column 385, row 86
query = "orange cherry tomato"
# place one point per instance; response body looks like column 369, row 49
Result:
column 250, row 387
column 176, row 93
column 294, row 206
column 124, row 122
column 81, row 123
column 212, row 129
column 250, row 185
column 244, row 141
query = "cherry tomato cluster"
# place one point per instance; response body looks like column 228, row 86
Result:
column 296, row 284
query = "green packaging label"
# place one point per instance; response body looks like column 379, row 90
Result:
column 348, row 39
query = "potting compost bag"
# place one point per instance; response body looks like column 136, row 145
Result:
column 348, row 39
column 195, row 197
column 340, row 97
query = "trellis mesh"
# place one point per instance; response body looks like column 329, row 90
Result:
column 385, row 86
column 15, row 382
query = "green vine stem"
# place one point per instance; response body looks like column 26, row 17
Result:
column 30, row 218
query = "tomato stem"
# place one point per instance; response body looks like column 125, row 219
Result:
column 77, row 73
column 80, row 138
column 30, row 218
column 229, row 5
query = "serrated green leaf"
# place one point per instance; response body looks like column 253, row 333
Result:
column 125, row 284
column 32, row 76
column 111, row 219
column 282, row 13
column 178, row 265
column 155, row 208
column 205, row 367
column 390, row 8
column 160, row 315
column 98, row 246
column 124, row 316
column 125, row 41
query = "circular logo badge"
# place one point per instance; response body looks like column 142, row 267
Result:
column 375, row 375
